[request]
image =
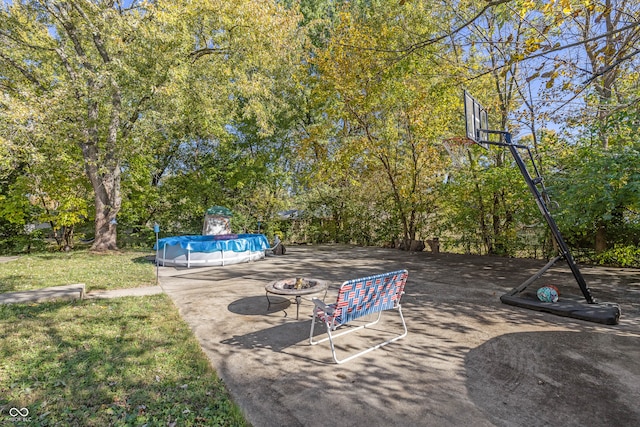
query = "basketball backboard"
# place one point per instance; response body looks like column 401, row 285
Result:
column 476, row 120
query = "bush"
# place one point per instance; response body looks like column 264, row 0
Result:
column 19, row 243
column 621, row 256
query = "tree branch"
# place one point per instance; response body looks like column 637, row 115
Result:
column 97, row 39
column 128, row 125
column 70, row 71
column 420, row 45
column 605, row 70
column 28, row 75
column 24, row 43
column 464, row 25
column 196, row 54
column 70, row 30
column 563, row 47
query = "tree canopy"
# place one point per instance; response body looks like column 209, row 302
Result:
column 122, row 114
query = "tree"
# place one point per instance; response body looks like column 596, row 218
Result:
column 606, row 191
column 83, row 61
column 555, row 41
column 608, row 32
column 99, row 68
column 387, row 116
column 229, row 145
column 598, row 69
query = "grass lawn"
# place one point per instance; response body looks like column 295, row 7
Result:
column 117, row 362
column 127, row 361
column 126, row 269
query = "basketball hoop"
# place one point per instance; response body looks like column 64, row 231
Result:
column 476, row 120
column 477, row 130
column 457, row 148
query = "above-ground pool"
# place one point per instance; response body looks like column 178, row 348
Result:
column 192, row 251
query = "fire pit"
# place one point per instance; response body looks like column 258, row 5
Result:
column 295, row 287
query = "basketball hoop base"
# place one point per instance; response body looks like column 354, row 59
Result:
column 605, row 313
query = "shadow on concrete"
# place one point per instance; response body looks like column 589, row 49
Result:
column 258, row 305
column 276, row 338
column 556, row 378
column 445, row 372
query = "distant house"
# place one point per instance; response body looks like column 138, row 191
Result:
column 290, row 214
column 30, row 228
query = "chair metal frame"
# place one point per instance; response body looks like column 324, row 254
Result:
column 358, row 298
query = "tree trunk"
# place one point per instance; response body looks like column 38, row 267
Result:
column 601, row 239
column 106, row 187
column 107, row 205
column 67, row 233
column 104, row 173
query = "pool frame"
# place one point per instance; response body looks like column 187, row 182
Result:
column 181, row 255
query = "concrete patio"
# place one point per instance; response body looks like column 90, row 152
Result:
column 467, row 360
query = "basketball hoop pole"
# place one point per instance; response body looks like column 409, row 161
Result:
column 540, row 197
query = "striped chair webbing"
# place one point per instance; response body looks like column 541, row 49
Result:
column 359, row 297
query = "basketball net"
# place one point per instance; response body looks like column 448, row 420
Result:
column 457, row 148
